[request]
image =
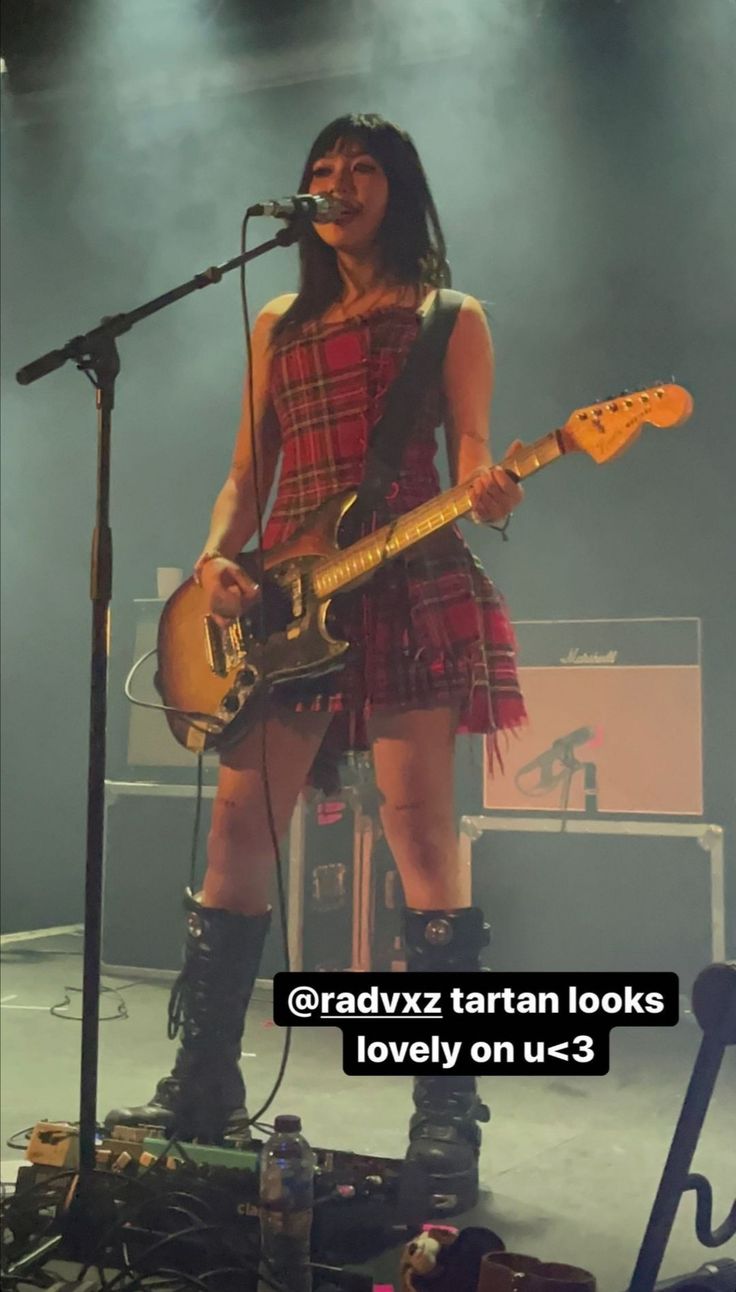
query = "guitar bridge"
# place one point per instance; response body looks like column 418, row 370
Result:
column 224, row 647
column 235, row 648
column 297, row 598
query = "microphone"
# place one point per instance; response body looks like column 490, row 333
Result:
column 320, row 208
column 580, row 736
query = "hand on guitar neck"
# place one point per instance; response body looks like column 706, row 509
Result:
column 228, row 589
column 496, row 491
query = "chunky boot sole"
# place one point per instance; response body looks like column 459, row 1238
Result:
column 447, row 1193
column 444, row 1149
column 186, row 1128
column 191, row 1105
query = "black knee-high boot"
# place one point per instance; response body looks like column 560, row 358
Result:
column 444, row 1135
column 204, row 1095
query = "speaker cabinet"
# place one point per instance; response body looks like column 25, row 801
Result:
column 615, row 719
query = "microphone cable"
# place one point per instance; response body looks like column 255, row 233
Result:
column 197, row 720
column 260, row 563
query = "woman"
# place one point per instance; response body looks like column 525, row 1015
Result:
column 433, row 649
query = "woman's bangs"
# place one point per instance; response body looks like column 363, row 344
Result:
column 373, row 140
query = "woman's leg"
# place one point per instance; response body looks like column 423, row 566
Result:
column 413, row 754
column 240, row 852
column 226, row 932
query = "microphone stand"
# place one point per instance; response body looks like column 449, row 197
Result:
column 571, row 765
column 562, row 752
column 591, row 788
column 95, row 354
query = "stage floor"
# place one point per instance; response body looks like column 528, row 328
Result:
column 569, row 1167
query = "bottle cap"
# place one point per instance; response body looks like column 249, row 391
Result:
column 287, row 1124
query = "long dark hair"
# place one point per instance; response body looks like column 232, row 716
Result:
column 410, row 238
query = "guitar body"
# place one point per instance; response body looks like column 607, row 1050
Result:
column 216, row 677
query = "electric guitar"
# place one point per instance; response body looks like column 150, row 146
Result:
column 213, row 681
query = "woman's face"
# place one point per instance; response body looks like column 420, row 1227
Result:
column 359, row 181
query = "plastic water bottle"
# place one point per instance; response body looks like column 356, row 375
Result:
column 286, row 1205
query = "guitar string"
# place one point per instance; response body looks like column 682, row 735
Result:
column 445, row 508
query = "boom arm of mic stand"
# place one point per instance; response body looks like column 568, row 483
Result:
column 86, row 346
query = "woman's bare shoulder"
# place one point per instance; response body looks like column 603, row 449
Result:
column 472, row 305
column 472, row 320
column 275, row 308
column 267, row 319
column 469, row 306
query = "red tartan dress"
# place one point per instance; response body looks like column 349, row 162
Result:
column 429, row 628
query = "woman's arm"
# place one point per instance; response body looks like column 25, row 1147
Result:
column 229, row 590
column 468, row 386
column 234, row 517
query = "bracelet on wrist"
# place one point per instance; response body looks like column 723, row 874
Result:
column 491, row 524
column 212, row 554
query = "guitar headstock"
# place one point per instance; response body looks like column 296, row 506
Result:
column 607, row 429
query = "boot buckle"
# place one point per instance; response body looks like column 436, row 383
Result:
column 194, row 925
column 438, row 932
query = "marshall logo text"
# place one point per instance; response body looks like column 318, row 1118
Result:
column 576, row 656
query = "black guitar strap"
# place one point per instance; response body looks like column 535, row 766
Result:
column 393, row 430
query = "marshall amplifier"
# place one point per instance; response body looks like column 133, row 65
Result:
column 615, row 719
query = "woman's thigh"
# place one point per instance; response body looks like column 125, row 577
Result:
column 414, row 754
column 283, row 760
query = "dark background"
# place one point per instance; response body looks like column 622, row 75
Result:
column 582, row 159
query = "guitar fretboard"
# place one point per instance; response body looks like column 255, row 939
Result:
column 355, row 563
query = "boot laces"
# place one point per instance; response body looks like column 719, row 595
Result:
column 176, row 1003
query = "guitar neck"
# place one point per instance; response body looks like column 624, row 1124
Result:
column 351, row 566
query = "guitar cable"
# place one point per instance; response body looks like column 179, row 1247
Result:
column 193, row 718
